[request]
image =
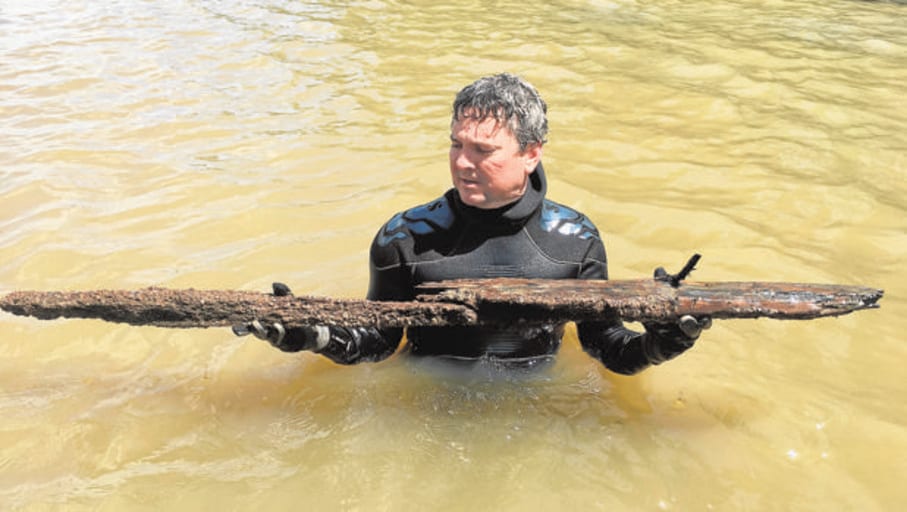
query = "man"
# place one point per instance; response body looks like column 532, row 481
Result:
column 494, row 222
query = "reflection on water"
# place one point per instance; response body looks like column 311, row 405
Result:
column 232, row 144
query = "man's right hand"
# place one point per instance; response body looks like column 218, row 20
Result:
column 294, row 339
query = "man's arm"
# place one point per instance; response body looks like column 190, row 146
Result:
column 343, row 345
column 347, row 345
column 623, row 350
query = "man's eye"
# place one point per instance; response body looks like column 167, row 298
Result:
column 485, row 151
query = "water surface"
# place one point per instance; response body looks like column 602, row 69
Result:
column 232, row 144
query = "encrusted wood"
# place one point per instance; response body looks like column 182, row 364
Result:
column 649, row 299
column 459, row 302
column 164, row 307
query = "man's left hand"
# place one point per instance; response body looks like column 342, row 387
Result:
column 692, row 326
column 670, row 339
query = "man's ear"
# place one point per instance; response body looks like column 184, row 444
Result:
column 532, row 156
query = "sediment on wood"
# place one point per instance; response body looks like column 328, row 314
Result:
column 649, row 299
column 460, row 302
column 163, row 307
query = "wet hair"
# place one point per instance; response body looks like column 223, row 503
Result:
column 506, row 98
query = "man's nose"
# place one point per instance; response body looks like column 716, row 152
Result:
column 462, row 160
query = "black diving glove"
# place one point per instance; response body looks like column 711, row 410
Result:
column 670, row 339
column 294, row 339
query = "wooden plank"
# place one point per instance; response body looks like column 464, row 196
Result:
column 189, row 308
column 649, row 299
column 459, row 302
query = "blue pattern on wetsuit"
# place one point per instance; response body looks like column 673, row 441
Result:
column 566, row 221
column 391, row 231
column 421, row 220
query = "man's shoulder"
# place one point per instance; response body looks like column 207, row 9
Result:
column 432, row 217
column 559, row 219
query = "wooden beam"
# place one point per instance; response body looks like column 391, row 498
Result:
column 459, row 302
column 649, row 299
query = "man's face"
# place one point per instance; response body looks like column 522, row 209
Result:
column 486, row 164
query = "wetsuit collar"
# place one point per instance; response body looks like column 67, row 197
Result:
column 514, row 213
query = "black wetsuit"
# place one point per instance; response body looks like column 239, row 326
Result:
column 531, row 238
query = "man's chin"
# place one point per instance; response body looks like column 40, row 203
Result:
column 479, row 201
column 473, row 199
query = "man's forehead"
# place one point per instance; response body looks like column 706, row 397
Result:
column 484, row 126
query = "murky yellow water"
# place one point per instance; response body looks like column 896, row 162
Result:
column 230, row 144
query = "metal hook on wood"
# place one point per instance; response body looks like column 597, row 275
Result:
column 674, row 279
